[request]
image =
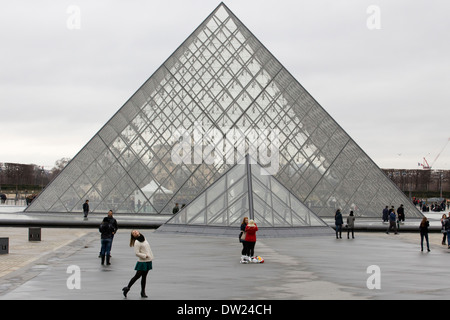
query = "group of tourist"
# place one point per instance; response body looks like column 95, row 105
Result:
column 389, row 215
column 339, row 222
column 434, row 207
column 393, row 219
column 108, row 228
column 142, row 250
column 247, row 237
column 445, row 229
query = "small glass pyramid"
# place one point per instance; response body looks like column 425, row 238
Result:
column 245, row 191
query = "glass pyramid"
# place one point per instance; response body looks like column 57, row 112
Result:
column 246, row 191
column 219, row 96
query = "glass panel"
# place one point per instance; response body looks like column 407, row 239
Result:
column 195, row 207
column 263, row 213
column 282, row 212
column 238, row 210
column 215, row 190
column 236, row 191
column 262, row 192
column 215, row 208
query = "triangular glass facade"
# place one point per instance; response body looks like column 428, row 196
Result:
column 244, row 191
column 224, row 203
column 221, row 85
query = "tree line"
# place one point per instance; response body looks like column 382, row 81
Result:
column 18, row 176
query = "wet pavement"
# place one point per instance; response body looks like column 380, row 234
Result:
column 64, row 265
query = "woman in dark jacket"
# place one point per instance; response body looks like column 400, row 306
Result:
column 443, row 230
column 338, row 221
column 242, row 235
column 424, row 233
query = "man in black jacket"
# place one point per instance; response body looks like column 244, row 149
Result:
column 113, row 222
column 86, row 208
column 107, row 234
column 401, row 213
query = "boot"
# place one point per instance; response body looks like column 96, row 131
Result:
column 143, row 295
column 125, row 291
column 103, row 259
column 108, row 260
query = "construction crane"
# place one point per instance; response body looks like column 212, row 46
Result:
column 425, row 164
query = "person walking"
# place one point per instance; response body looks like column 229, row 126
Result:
column 106, row 230
column 113, row 222
column 443, row 231
column 143, row 265
column 424, row 233
column 242, row 236
column 250, row 238
column 385, row 214
column 447, row 229
column 3, row 198
column 86, row 208
column 338, row 221
column 401, row 214
column 392, row 221
column 175, row 209
column 350, row 225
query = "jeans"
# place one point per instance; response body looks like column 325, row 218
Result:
column 338, row 230
column 106, row 247
column 424, row 235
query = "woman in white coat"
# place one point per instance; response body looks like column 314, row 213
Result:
column 144, row 265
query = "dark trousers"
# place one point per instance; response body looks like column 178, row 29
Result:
column 424, row 235
column 338, row 230
column 244, row 248
column 106, row 247
column 349, row 229
column 249, row 248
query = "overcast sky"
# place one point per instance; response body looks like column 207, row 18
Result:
column 381, row 69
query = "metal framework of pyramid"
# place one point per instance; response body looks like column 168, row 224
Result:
column 245, row 191
column 223, row 85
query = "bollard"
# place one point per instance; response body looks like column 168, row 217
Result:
column 34, row 234
column 4, row 245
